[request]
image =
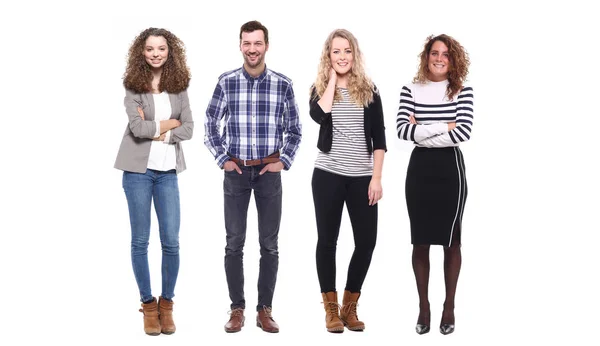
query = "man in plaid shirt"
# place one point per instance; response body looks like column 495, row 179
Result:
column 258, row 108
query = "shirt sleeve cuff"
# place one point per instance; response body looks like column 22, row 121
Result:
column 286, row 162
column 222, row 159
column 157, row 132
column 442, row 128
column 167, row 137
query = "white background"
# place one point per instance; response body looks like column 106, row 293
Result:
column 530, row 258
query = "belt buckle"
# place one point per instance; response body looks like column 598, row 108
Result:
column 244, row 161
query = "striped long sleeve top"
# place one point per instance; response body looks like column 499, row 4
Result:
column 433, row 111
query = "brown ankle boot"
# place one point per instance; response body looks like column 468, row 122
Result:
column 265, row 321
column 332, row 317
column 165, row 315
column 151, row 323
column 236, row 321
column 348, row 312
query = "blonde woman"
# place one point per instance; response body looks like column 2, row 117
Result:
column 347, row 106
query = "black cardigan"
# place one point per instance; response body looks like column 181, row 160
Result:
column 373, row 123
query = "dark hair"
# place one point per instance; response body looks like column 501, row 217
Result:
column 175, row 75
column 459, row 63
column 253, row 26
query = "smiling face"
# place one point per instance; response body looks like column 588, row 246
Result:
column 438, row 62
column 156, row 51
column 341, row 56
column 253, row 48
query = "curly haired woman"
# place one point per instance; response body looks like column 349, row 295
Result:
column 436, row 113
column 159, row 119
column 347, row 106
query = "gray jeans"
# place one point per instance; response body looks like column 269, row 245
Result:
column 267, row 195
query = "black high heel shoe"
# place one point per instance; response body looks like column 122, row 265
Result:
column 422, row 329
column 447, row 328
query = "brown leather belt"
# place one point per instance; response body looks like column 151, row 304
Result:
column 269, row 159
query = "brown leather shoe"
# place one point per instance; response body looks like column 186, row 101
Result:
column 332, row 318
column 151, row 323
column 236, row 321
column 348, row 313
column 265, row 321
column 165, row 315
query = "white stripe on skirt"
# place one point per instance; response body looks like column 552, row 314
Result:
column 459, row 193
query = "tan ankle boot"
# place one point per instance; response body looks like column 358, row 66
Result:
column 165, row 310
column 332, row 317
column 348, row 312
column 151, row 323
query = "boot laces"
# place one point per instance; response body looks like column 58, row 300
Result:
column 267, row 311
column 333, row 309
column 351, row 307
column 235, row 312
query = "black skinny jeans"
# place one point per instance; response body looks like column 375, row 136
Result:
column 330, row 192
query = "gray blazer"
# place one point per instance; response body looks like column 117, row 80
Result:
column 137, row 139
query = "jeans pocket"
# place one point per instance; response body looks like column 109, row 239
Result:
column 233, row 171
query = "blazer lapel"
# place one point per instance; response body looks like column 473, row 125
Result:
column 175, row 105
column 150, row 101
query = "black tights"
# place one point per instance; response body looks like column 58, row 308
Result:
column 452, row 263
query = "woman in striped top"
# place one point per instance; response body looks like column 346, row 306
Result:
column 348, row 168
column 436, row 113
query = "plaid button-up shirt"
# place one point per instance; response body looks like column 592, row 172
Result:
column 257, row 112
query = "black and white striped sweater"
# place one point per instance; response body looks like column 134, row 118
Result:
column 433, row 110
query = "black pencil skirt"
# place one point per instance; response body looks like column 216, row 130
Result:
column 436, row 192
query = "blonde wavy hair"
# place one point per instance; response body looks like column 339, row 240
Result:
column 459, row 63
column 360, row 85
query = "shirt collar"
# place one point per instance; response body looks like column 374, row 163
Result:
column 259, row 79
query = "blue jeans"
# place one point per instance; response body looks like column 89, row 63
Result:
column 140, row 190
column 267, row 196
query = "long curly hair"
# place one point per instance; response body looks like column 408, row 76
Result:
column 175, row 75
column 360, row 86
column 458, row 68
